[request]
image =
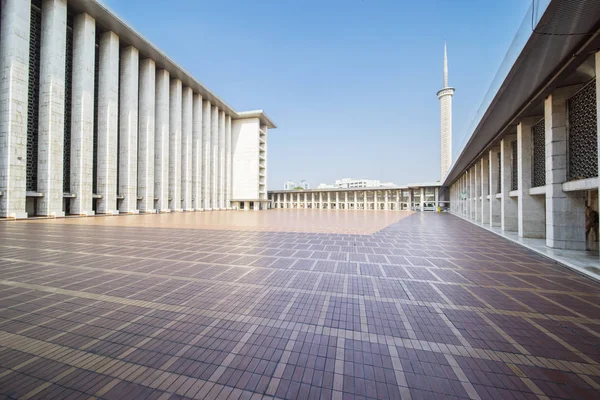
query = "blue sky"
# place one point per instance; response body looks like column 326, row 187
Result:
column 351, row 84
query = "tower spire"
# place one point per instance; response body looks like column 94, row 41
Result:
column 445, row 66
column 445, row 96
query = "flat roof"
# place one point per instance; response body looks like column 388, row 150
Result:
column 110, row 21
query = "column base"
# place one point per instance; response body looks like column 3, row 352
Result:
column 109, row 212
column 177, row 210
column 163, row 211
column 18, row 215
column 208, row 209
column 188, row 209
column 85, row 214
column 147, row 211
column 134, row 212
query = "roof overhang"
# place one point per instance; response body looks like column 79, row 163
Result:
column 260, row 114
column 547, row 61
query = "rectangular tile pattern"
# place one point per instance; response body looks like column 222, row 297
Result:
column 427, row 307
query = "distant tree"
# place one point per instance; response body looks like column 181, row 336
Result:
column 298, row 188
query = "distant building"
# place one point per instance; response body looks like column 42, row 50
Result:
column 289, row 185
column 304, row 185
column 349, row 183
column 325, row 186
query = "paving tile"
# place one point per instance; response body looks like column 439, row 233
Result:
column 344, row 305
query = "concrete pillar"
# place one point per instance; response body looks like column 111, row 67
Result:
column 206, row 159
column 305, row 200
column 485, row 189
column 221, row 171
column 337, row 200
column 228, row 160
column 531, row 209
column 346, row 200
column 355, row 200
column 565, row 212
column 214, row 157
column 147, row 117
column 82, row 114
column 436, row 198
column 386, row 200
column 410, row 199
column 108, row 106
column 14, row 84
column 508, row 205
column 175, row 99
column 495, row 203
column 197, row 152
column 478, row 194
column 422, row 199
column 161, row 141
column 321, row 200
column 329, row 200
column 128, row 129
column 51, row 126
column 186, row 148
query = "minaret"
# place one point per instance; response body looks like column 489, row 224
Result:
column 445, row 96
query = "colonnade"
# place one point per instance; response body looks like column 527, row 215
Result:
column 118, row 134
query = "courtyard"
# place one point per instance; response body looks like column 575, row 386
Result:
column 291, row 304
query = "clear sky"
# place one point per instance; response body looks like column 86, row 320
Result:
column 351, row 84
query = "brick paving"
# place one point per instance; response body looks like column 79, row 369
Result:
column 427, row 307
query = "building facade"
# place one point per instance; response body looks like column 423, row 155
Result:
column 530, row 167
column 96, row 120
column 418, row 197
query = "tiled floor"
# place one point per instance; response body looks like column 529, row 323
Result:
column 427, row 307
column 278, row 220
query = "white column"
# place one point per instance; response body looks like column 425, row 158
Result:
column 52, row 108
column 161, row 141
column 312, row 200
column 495, row 203
column 387, row 207
column 175, row 145
column 422, row 199
column 108, row 106
column 345, row 200
column 228, row 161
column 531, row 209
column 508, row 208
column 214, row 157
column 355, row 200
column 565, row 211
column 375, row 207
column 128, row 129
column 437, row 198
column 197, row 153
column 221, row 171
column 206, row 159
column 305, row 200
column 478, row 197
column 337, row 200
column 14, row 84
column 329, row 200
column 485, row 190
column 321, row 200
column 82, row 114
column 186, row 149
column 147, row 116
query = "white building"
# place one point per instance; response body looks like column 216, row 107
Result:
column 349, row 183
column 304, row 185
column 96, row 120
column 289, row 185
